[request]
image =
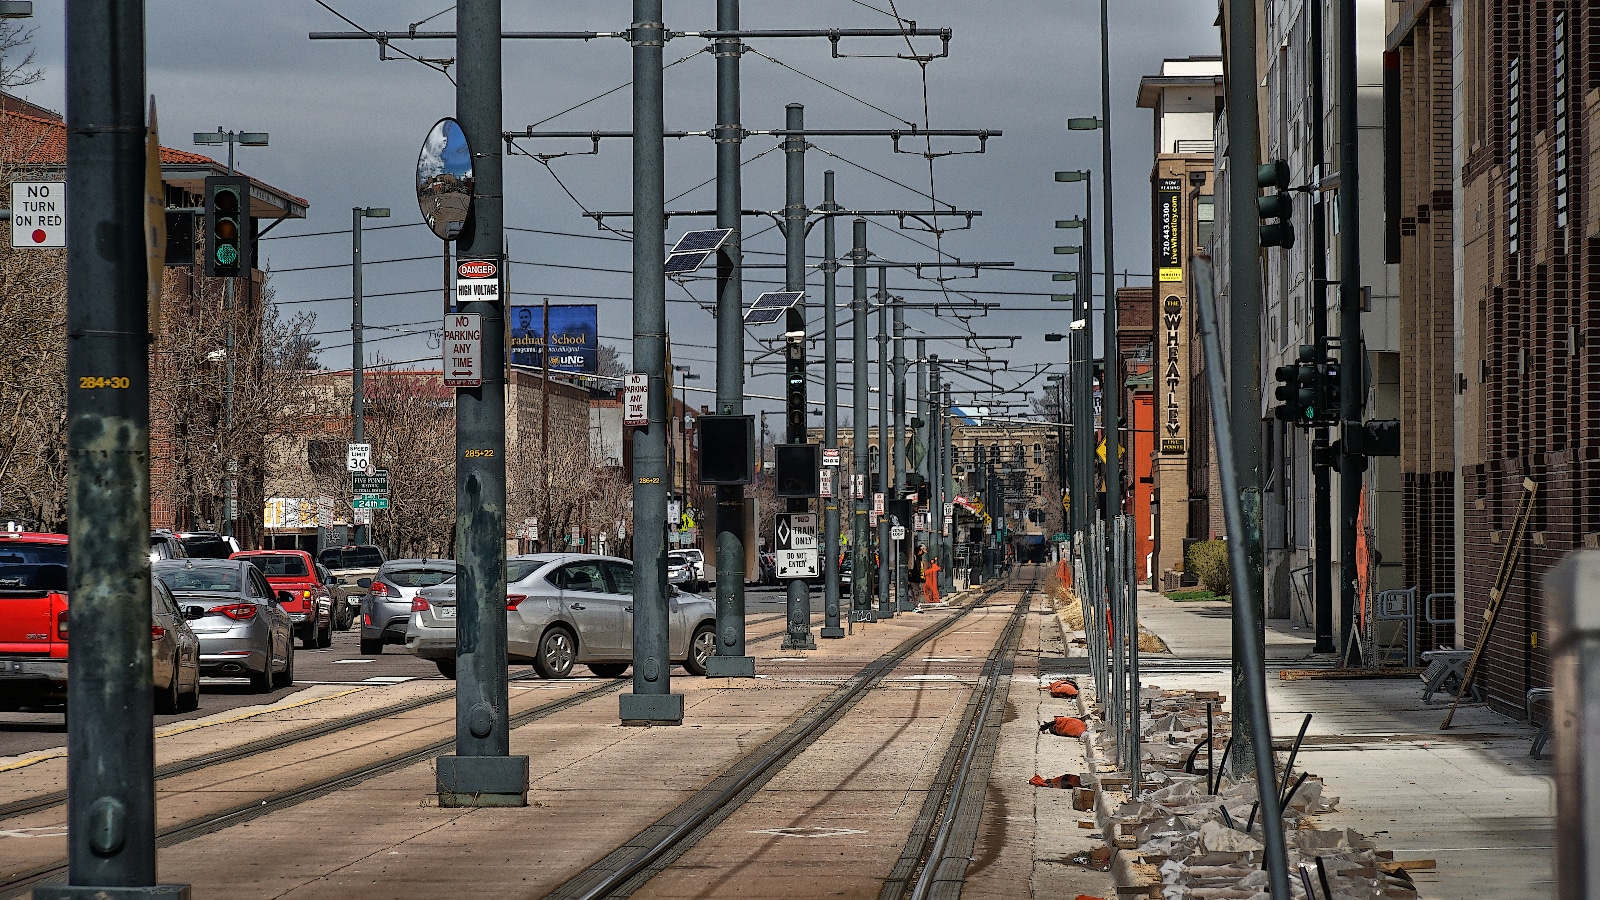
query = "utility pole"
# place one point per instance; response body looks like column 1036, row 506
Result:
column 1317, row 288
column 795, row 214
column 860, row 539
column 482, row 772
column 111, row 819
column 1352, row 348
column 652, row 700
column 885, row 597
column 1244, row 324
column 936, row 482
column 358, row 397
column 830, row 412
column 732, row 659
column 902, row 589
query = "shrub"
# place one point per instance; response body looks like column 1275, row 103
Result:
column 1208, row 560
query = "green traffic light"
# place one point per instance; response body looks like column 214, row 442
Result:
column 227, row 254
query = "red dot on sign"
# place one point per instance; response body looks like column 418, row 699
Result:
column 39, row 235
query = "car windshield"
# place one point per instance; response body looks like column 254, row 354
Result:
column 212, row 579
column 351, row 558
column 280, row 565
column 677, row 559
column 418, row 578
column 206, row 546
column 33, row 567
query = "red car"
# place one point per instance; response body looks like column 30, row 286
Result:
column 310, row 606
column 33, row 618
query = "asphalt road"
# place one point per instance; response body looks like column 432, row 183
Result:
column 26, row 732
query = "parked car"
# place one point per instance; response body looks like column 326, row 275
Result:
column 174, row 653
column 238, row 617
column 207, row 544
column 767, row 568
column 33, row 619
column 697, row 558
column 165, row 545
column 346, row 599
column 349, row 564
column 386, row 607
column 563, row 609
column 309, row 605
column 680, row 572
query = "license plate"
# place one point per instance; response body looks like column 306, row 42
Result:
column 444, row 612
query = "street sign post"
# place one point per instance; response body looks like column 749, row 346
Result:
column 369, row 501
column 830, row 456
column 375, row 483
column 897, row 532
column 636, row 400
column 38, row 214
column 463, row 348
column 477, row 281
column 797, row 546
column 358, row 457
column 825, row 484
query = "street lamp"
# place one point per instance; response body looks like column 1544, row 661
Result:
column 1084, row 123
column 358, row 397
column 231, row 484
column 16, row 9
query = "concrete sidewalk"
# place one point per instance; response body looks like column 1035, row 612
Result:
column 1470, row 798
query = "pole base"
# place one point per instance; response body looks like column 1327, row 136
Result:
column 863, row 615
column 472, row 781
column 908, row 605
column 803, row 642
column 84, row 892
column 731, row 667
column 834, row 632
column 886, row 611
column 652, row 709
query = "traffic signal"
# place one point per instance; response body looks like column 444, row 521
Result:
column 227, row 225
column 1300, row 390
column 1332, row 392
column 727, row 449
column 794, row 396
column 796, row 470
column 1279, row 206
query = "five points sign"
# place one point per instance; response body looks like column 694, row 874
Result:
column 38, row 214
column 463, row 350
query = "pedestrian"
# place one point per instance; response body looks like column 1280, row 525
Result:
column 930, row 582
column 915, row 575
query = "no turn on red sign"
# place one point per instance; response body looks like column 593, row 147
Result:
column 38, row 214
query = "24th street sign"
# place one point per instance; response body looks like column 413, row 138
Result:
column 369, row 501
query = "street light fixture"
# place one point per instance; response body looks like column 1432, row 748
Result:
column 1075, row 175
column 1052, row 338
column 1083, row 123
column 16, row 9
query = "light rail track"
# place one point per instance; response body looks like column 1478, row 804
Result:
column 20, row 883
column 654, row 849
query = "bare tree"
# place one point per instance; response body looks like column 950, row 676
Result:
column 16, row 56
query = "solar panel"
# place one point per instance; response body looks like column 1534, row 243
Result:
column 767, row 316
column 684, row 263
column 770, row 307
column 709, row 239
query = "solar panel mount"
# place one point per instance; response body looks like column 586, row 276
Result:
column 682, row 263
column 771, row 306
column 709, row 240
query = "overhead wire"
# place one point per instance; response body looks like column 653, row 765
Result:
column 441, row 69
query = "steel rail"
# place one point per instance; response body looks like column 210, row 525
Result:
column 820, row 717
column 278, row 742
column 17, row 884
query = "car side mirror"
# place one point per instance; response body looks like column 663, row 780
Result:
column 329, row 579
column 283, row 597
column 364, row 582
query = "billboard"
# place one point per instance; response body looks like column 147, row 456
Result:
column 574, row 343
column 1169, row 229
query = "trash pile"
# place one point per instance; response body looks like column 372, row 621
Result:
column 1192, row 835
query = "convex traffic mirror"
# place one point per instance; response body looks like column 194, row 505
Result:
column 444, row 179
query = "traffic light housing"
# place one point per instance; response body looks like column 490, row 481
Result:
column 727, row 449
column 797, row 470
column 228, row 237
column 1276, row 209
column 794, row 394
column 1332, row 391
column 1300, row 391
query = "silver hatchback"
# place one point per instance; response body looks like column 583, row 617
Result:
column 386, row 607
column 564, row 609
column 241, row 624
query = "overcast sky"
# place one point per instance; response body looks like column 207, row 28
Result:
column 346, row 129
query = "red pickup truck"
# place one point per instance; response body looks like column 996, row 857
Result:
column 310, row 606
column 33, row 619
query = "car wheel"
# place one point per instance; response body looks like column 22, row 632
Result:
column 608, row 670
column 308, row 641
column 261, row 682
column 372, row 646
column 325, row 637
column 447, row 668
column 191, row 702
column 286, row 677
column 168, row 701
column 702, row 647
column 558, row 650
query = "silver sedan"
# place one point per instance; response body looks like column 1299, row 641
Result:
column 563, row 609
column 237, row 616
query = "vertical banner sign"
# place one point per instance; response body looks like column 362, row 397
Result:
column 463, row 350
column 1172, row 439
column 573, row 343
column 1169, row 229
column 39, row 214
column 636, row 400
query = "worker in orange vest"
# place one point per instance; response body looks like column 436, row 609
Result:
column 930, row 582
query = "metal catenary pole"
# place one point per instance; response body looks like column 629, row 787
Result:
column 1244, row 321
column 947, row 463
column 358, row 398
column 482, row 773
column 885, row 598
column 732, row 659
column 861, row 609
column 1083, row 373
column 1317, row 289
column 111, row 824
column 795, row 214
column 902, row 588
column 936, row 482
column 652, row 700
column 830, row 412
column 1352, row 350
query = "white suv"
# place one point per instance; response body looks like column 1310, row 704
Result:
column 697, row 558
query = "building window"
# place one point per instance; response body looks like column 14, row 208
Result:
column 1038, row 485
column 1038, row 454
column 1205, row 219
column 1513, row 152
column 1558, row 80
